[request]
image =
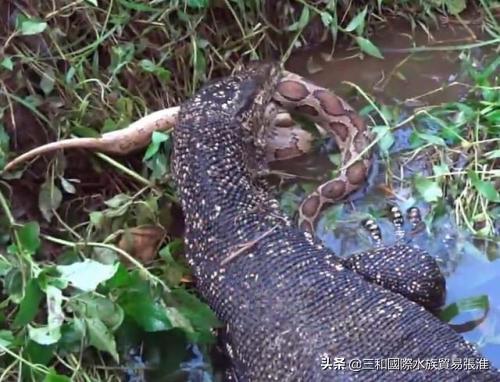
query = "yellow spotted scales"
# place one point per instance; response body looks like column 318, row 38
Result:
column 288, row 302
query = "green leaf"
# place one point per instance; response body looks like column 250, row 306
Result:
column 53, row 376
column 95, row 306
column 125, row 106
column 47, row 82
column 51, row 333
column 117, row 200
column 455, row 6
column 332, row 216
column 494, row 154
column 173, row 269
column 136, row 6
column 28, row 308
column 4, row 146
column 465, row 305
column 69, row 75
column 368, row 47
column 72, row 335
column 494, row 116
column 326, row 18
column 429, row 189
column 29, row 27
column 147, row 65
column 96, row 219
column 163, row 74
column 67, row 185
column 201, row 317
column 357, row 22
column 101, row 337
column 121, row 56
column 432, row 139
column 173, row 248
column 83, row 131
column 86, row 275
column 158, row 166
column 149, row 314
column 440, row 170
column 150, row 67
column 29, row 237
column 13, row 285
column 44, row 335
column 178, row 320
column 5, row 266
column 157, row 138
column 199, row 4
column 486, row 189
column 138, row 303
column 92, row 2
column 199, row 61
column 49, row 199
column 55, row 315
column 120, row 279
column 7, row 63
column 290, row 201
column 36, row 354
column 6, row 338
column 385, row 138
column 302, row 22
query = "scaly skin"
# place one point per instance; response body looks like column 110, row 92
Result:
column 285, row 299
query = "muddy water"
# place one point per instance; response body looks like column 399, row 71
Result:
column 406, row 79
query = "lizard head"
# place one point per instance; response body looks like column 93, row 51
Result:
column 234, row 108
column 241, row 97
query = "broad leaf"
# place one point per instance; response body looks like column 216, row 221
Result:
column 199, row 4
column 7, row 63
column 101, row 337
column 385, row 138
column 6, row 338
column 29, row 237
column 485, row 188
column 29, row 304
column 28, row 27
column 44, row 335
column 429, row 189
column 49, row 199
column 357, row 22
column 54, row 377
column 87, row 275
column 149, row 314
column 368, row 47
column 302, row 22
column 157, row 139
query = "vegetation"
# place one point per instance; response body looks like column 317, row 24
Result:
column 93, row 282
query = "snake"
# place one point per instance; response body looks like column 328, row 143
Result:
column 284, row 140
column 337, row 118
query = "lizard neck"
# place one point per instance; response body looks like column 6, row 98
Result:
column 224, row 204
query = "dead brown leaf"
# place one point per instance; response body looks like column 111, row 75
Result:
column 142, row 242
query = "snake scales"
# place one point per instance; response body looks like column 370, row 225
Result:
column 336, row 117
column 284, row 140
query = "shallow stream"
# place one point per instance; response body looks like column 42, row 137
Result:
column 407, row 79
